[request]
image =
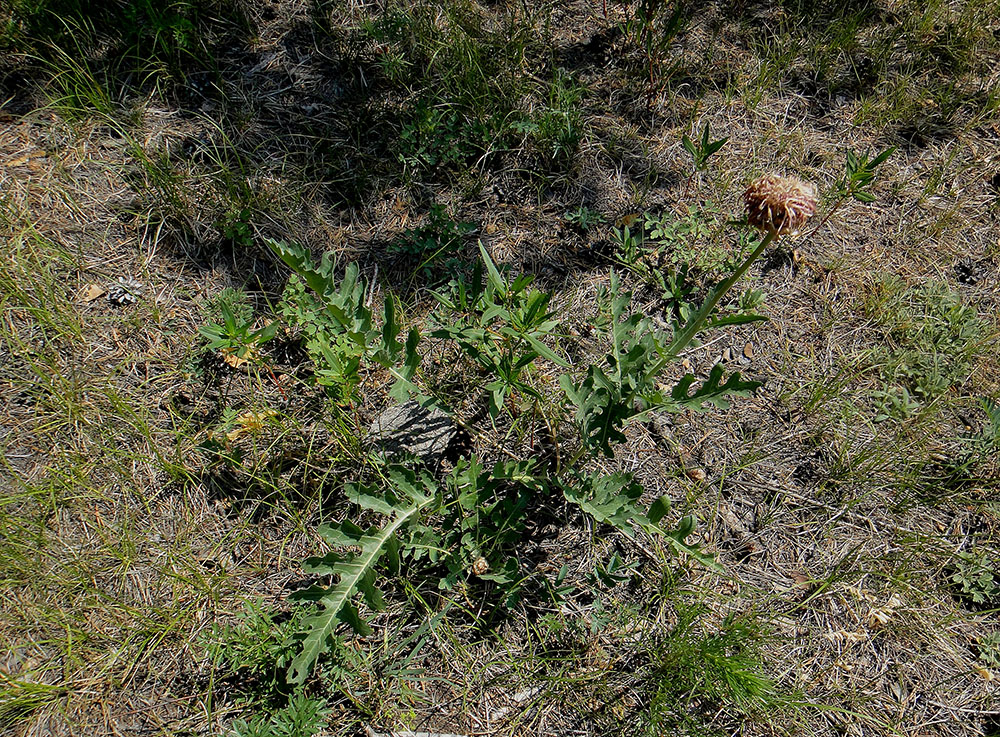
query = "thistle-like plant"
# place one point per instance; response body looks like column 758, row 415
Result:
column 469, row 524
column 354, row 553
column 501, row 325
column 340, row 327
column 625, row 384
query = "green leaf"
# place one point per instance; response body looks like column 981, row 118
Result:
column 299, row 260
column 712, row 391
column 713, row 147
column 229, row 319
column 361, row 496
column 601, row 409
column 544, row 351
column 607, row 498
column 676, row 539
column 741, row 318
column 404, row 386
column 492, row 312
column 852, row 162
column 444, row 299
column 390, row 328
column 356, row 573
column 658, row 509
column 215, row 335
column 266, row 333
column 493, row 275
column 881, row 158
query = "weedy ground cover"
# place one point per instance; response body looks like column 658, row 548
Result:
column 701, row 479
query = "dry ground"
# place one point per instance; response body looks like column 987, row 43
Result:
column 127, row 541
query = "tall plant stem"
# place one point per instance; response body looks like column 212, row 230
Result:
column 693, row 326
column 697, row 321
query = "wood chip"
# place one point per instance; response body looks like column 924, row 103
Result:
column 696, row 474
column 748, row 350
column 91, row 292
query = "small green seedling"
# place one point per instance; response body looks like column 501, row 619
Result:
column 701, row 151
column 235, row 335
column 583, row 218
column 974, row 578
column 859, row 173
column 989, row 649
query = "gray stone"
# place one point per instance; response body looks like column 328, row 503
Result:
column 411, row 429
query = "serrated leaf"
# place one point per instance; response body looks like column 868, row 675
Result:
column 299, row 260
column 340, row 534
column 392, row 555
column 359, row 495
column 312, row 593
column 366, row 584
column 356, row 573
column 566, row 382
column 712, row 391
column 607, row 498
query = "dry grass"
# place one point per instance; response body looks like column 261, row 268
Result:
column 126, row 538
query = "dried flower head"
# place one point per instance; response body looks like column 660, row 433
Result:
column 480, row 566
column 780, row 204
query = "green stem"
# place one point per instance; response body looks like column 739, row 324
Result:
column 693, row 326
column 829, row 214
column 698, row 320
